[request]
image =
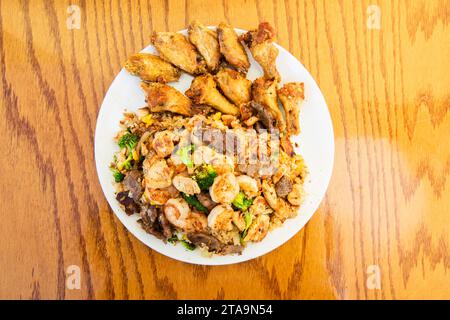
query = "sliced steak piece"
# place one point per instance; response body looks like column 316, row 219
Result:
column 283, row 187
column 128, row 203
column 132, row 183
column 203, row 239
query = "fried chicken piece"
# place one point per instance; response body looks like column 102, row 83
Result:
column 231, row 48
column 151, row 68
column 263, row 50
column 203, row 91
column 161, row 97
column 176, row 49
column 234, row 85
column 265, row 93
column 205, row 40
column 291, row 96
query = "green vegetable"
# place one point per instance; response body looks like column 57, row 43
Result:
column 173, row 239
column 129, row 141
column 118, row 176
column 241, row 202
column 185, row 154
column 189, row 246
column 204, row 175
column 126, row 164
column 248, row 218
column 193, row 202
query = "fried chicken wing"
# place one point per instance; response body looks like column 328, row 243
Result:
column 205, row 40
column 203, row 91
column 234, row 85
column 176, row 49
column 161, row 97
column 263, row 50
column 231, row 48
column 151, row 68
column 291, row 96
column 264, row 91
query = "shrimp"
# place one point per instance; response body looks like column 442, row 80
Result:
column 163, row 144
column 248, row 185
column 224, row 189
column 157, row 175
column 185, row 185
column 270, row 194
column 258, row 229
column 221, row 218
column 295, row 197
column 180, row 216
column 160, row 196
column 260, row 206
column 220, row 221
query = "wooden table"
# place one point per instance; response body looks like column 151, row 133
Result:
column 386, row 215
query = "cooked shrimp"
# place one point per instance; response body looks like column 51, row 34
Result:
column 238, row 220
column 221, row 218
column 220, row 221
column 179, row 215
column 248, row 185
column 260, row 206
column 156, row 196
column 284, row 210
column 157, row 175
column 295, row 197
column 270, row 194
column 163, row 143
column 185, row 184
column 224, row 189
column 258, row 229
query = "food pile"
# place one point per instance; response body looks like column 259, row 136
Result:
column 213, row 168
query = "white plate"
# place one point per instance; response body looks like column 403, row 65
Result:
column 316, row 143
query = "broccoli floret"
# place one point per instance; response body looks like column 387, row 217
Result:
column 128, row 140
column 193, row 202
column 241, row 202
column 204, row 175
column 185, row 154
column 126, row 165
column 118, row 176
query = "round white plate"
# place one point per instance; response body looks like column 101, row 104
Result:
column 316, row 145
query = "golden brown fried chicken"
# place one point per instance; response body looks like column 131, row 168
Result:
column 234, row 85
column 263, row 50
column 151, row 68
column 291, row 96
column 176, row 49
column 161, row 97
column 205, row 40
column 264, row 91
column 231, row 48
column 203, row 91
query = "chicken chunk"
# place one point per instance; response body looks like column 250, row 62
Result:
column 234, row 85
column 203, row 91
column 205, row 40
column 265, row 92
column 291, row 96
column 161, row 97
column 231, row 48
column 176, row 49
column 263, row 50
column 151, row 68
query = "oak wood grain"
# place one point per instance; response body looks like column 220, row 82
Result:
column 388, row 203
